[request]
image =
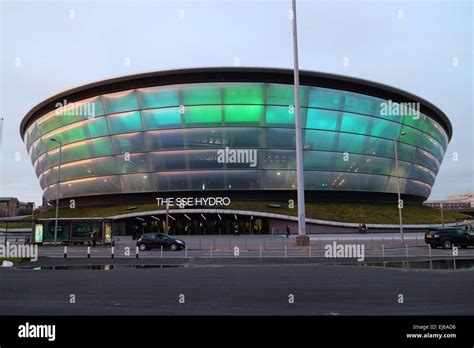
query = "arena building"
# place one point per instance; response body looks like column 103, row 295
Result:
column 229, row 132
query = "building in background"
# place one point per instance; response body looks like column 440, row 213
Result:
column 11, row 206
column 457, row 202
column 467, row 197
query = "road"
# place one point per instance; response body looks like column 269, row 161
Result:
column 238, row 289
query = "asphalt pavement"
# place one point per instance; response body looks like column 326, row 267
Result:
column 236, row 290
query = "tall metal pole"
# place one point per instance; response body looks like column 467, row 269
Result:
column 299, row 145
column 33, row 222
column 442, row 214
column 167, row 210
column 398, row 190
column 57, row 195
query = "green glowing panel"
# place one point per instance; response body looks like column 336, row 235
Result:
column 322, row 119
column 243, row 114
column 351, row 143
column 120, row 102
column 385, row 129
column 244, row 94
column 96, row 127
column 75, row 153
column 158, row 97
column 354, row 123
column 319, row 140
column 325, row 98
column 202, row 95
column 100, row 147
column 284, row 95
column 161, row 118
column 126, row 122
column 359, row 103
column 280, row 116
column 202, row 115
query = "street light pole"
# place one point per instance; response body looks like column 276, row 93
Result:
column 57, row 192
column 301, row 238
column 400, row 202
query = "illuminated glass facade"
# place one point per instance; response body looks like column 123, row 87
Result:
column 166, row 138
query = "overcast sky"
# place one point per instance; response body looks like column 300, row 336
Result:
column 409, row 45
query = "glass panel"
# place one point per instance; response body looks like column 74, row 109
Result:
column 203, row 159
column 201, row 94
column 242, row 180
column 136, row 183
column 319, row 140
column 120, row 102
column 278, row 159
column 280, row 138
column 202, row 115
column 359, row 103
column 96, row 127
column 123, row 123
column 169, row 139
column 161, row 118
column 279, row 179
column 325, row 98
column 170, row 181
column 322, row 119
column 243, row 114
column 284, row 95
column 280, row 116
column 137, row 162
column 157, row 97
column 169, row 160
column 207, row 180
column 243, row 94
column 131, row 142
column 354, row 123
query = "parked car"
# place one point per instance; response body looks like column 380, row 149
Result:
column 157, row 240
column 447, row 237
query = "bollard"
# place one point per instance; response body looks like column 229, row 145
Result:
column 88, row 252
column 185, row 253
column 260, row 250
column 309, row 250
column 285, row 252
column 406, row 250
column 211, row 251
column 136, row 252
column 429, row 247
column 112, row 252
column 65, row 252
column 454, row 262
column 383, row 251
column 161, row 252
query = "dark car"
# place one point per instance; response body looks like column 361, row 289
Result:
column 158, row 240
column 447, row 237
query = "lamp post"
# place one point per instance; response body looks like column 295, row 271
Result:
column 57, row 194
column 301, row 238
column 400, row 202
column 33, row 221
